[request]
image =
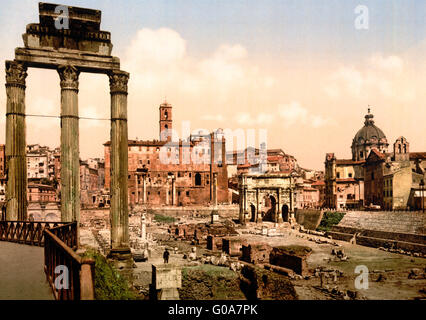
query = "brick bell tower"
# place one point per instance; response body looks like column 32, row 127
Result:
column 166, row 122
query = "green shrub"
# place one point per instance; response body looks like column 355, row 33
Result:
column 164, row 219
column 330, row 219
column 109, row 284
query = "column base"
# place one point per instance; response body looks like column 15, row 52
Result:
column 214, row 216
column 120, row 254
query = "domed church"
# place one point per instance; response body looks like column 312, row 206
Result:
column 375, row 177
column 367, row 138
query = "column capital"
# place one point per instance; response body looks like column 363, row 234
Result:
column 69, row 77
column 16, row 73
column 118, row 81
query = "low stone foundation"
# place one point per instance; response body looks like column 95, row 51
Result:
column 233, row 246
column 291, row 257
column 376, row 239
column 256, row 253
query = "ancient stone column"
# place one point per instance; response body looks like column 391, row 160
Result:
column 144, row 188
column 215, row 190
column 70, row 156
column 174, row 191
column 16, row 163
column 136, row 189
column 279, row 216
column 120, row 247
column 258, row 216
column 143, row 226
column 167, row 191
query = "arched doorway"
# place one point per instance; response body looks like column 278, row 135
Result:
column 270, row 207
column 285, row 213
column 253, row 212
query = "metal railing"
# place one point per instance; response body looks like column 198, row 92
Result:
column 60, row 240
column 26, row 232
column 77, row 273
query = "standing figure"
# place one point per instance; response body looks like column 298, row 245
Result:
column 166, row 256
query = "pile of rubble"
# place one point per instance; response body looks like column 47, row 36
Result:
column 401, row 251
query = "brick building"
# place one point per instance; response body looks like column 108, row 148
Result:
column 247, row 161
column 168, row 172
column 41, row 193
column 392, row 180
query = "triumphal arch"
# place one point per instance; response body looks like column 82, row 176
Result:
column 68, row 40
column 266, row 197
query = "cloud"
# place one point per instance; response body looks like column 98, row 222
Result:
column 392, row 63
column 213, row 117
column 377, row 76
column 293, row 113
column 245, row 118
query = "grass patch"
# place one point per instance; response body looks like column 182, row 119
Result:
column 164, row 219
column 330, row 219
column 208, row 282
column 109, row 284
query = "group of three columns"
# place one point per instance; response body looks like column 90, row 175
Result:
column 16, row 165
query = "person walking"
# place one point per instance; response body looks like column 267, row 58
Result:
column 166, row 256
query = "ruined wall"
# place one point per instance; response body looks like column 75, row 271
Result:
column 397, row 222
column 309, row 219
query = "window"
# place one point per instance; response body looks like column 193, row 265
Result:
column 372, row 176
column 361, row 154
column 350, row 175
column 187, row 193
column 198, row 179
column 338, row 175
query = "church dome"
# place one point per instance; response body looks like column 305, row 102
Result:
column 368, row 137
column 369, row 133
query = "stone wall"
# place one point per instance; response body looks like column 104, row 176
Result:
column 396, row 221
column 225, row 211
column 309, row 219
column 397, row 230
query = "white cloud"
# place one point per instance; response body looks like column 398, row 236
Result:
column 293, row 113
column 213, row 117
column 379, row 76
column 390, row 63
column 245, row 118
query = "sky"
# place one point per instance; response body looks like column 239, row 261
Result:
column 301, row 69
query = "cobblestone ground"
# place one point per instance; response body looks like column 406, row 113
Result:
column 21, row 273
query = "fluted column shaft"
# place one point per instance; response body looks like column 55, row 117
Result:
column 119, row 164
column 215, row 190
column 16, row 164
column 70, row 149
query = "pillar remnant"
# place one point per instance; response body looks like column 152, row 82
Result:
column 16, row 163
column 173, row 190
column 143, row 226
column 215, row 212
column 70, row 156
column 120, row 246
column 144, row 188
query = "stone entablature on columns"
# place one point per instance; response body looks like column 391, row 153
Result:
column 81, row 47
column 16, row 164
